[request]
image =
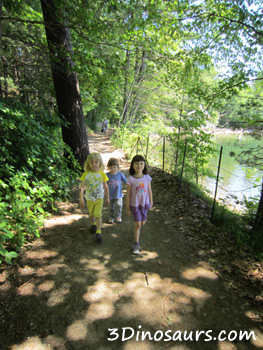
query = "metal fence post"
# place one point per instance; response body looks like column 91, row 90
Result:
column 217, row 180
column 147, row 145
column 163, row 151
column 180, row 182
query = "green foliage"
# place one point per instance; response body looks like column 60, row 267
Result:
column 147, row 138
column 251, row 206
column 34, row 174
column 157, row 56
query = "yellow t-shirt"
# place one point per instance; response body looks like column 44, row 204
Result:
column 94, row 184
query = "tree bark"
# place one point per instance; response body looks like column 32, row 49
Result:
column 1, row 34
column 65, row 79
column 125, row 99
column 257, row 229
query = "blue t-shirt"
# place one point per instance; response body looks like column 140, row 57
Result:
column 115, row 186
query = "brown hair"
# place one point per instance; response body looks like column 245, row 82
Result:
column 113, row 161
column 138, row 158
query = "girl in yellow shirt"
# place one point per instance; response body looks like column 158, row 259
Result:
column 94, row 181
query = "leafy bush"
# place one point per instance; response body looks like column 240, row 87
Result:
column 199, row 144
column 34, row 174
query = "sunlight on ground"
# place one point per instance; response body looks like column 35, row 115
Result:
column 32, row 344
column 58, row 295
column 46, row 286
column 77, row 331
column 122, row 265
column 145, row 255
column 192, row 274
column 107, row 298
column 225, row 345
column 134, row 345
column 258, row 343
column 27, row 288
column 40, row 254
column 51, row 269
column 26, row 270
column 100, row 311
column 62, row 220
column 30, row 288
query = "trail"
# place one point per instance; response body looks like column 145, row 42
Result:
column 67, row 292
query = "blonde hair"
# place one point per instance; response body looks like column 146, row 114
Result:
column 112, row 162
column 93, row 156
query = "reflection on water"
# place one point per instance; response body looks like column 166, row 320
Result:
column 235, row 179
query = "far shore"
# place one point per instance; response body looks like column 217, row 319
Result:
column 230, row 131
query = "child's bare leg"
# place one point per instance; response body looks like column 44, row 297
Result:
column 137, row 230
column 92, row 220
column 98, row 231
column 98, row 223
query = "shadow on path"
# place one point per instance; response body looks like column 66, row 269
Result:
column 67, row 292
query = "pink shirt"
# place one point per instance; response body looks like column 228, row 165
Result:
column 139, row 192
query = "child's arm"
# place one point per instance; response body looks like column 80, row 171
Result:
column 123, row 178
column 128, row 200
column 150, row 194
column 106, row 191
column 81, row 195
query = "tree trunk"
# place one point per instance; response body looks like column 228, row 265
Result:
column 126, row 75
column 257, row 230
column 65, row 80
column 1, row 34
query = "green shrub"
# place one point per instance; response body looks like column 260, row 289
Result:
column 34, row 174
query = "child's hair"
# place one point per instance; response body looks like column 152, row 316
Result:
column 138, row 158
column 112, row 162
column 92, row 156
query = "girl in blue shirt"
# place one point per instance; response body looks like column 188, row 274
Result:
column 116, row 178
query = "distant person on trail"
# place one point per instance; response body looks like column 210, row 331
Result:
column 94, row 181
column 116, row 178
column 104, row 126
column 139, row 197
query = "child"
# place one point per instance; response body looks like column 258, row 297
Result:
column 94, row 180
column 115, row 188
column 139, row 197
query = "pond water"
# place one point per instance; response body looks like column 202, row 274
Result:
column 235, row 179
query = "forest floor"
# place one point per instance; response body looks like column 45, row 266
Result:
column 190, row 288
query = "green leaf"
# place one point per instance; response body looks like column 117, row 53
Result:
column 9, row 256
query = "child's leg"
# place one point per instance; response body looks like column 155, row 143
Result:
column 112, row 208
column 139, row 218
column 137, row 231
column 90, row 205
column 98, row 223
column 119, row 207
column 98, row 218
column 92, row 220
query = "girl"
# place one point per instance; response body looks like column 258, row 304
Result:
column 115, row 188
column 94, row 181
column 139, row 197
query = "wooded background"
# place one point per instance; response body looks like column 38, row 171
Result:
column 178, row 68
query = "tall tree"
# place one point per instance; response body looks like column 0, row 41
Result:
column 257, row 229
column 65, row 78
column 1, row 34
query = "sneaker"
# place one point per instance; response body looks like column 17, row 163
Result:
column 135, row 249
column 111, row 221
column 99, row 237
column 93, row 229
column 119, row 219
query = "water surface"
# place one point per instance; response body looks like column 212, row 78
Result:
column 235, row 179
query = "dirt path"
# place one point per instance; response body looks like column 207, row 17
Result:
column 67, row 291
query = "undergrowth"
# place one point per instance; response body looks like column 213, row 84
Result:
column 34, row 175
